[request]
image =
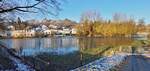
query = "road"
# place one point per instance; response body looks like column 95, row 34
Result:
column 136, row 63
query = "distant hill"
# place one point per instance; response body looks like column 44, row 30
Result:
column 59, row 23
column 18, row 24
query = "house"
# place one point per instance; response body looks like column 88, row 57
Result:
column 66, row 31
column 12, row 32
column 11, row 27
column 53, row 27
column 39, row 30
column 47, row 32
column 30, row 33
column 73, row 31
column 141, row 34
column 21, row 33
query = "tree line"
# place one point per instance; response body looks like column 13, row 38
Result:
column 92, row 24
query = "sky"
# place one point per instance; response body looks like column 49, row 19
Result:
column 73, row 9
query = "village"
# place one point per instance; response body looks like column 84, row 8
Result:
column 40, row 30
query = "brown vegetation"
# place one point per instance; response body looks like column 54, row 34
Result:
column 92, row 25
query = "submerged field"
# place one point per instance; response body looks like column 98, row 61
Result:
column 67, row 53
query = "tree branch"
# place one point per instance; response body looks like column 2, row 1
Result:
column 19, row 8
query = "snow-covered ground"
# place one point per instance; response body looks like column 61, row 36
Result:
column 18, row 63
column 20, row 66
column 103, row 64
column 106, row 63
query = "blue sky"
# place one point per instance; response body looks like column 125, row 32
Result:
column 74, row 8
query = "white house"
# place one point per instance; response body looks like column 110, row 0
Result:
column 141, row 34
column 47, row 32
column 52, row 26
column 21, row 33
column 66, row 31
column 44, row 27
column 30, row 33
column 11, row 27
column 73, row 31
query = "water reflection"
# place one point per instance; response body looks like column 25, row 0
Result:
column 52, row 51
column 32, row 46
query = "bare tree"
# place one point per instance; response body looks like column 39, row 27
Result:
column 90, row 16
column 141, row 21
column 31, row 6
column 141, row 27
column 118, row 17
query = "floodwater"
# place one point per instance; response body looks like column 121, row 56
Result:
column 66, row 53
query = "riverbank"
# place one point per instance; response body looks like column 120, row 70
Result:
column 5, row 62
column 10, row 61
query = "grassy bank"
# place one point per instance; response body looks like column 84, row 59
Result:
column 5, row 62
